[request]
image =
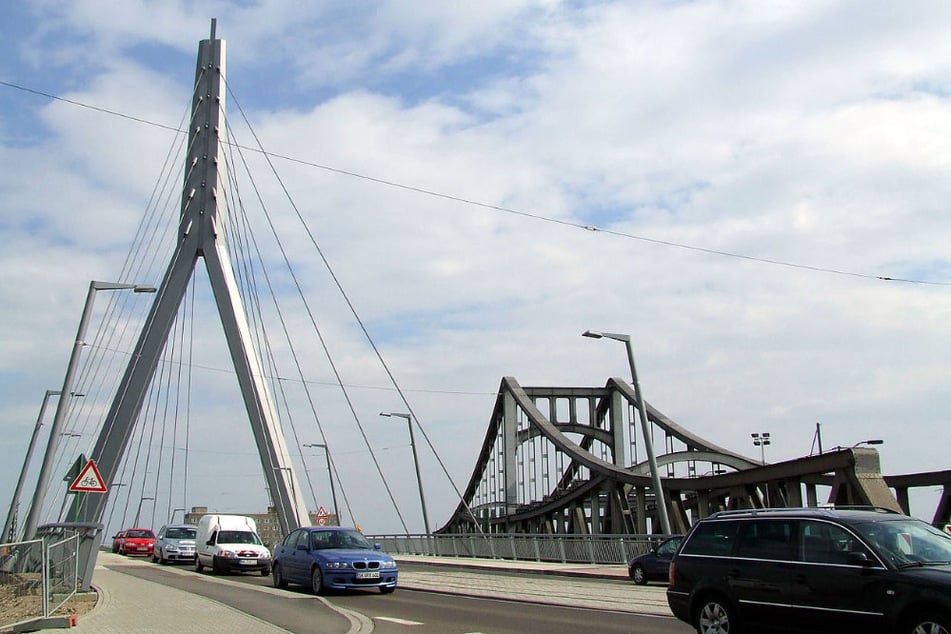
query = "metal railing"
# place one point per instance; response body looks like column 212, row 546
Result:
column 582, row 549
column 36, row 577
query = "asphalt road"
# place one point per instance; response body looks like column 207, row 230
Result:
column 424, row 612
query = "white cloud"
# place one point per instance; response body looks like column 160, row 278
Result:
column 804, row 133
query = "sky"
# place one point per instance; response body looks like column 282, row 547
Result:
column 754, row 191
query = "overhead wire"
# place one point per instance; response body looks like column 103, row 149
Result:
column 313, row 319
column 510, row 210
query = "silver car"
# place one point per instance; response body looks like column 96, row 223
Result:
column 175, row 542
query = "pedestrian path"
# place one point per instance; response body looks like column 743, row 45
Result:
column 129, row 604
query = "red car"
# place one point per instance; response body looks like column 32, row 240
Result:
column 116, row 539
column 137, row 541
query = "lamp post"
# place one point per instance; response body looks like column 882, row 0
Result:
column 139, row 512
column 870, row 441
column 419, row 479
column 330, row 474
column 9, row 528
column 761, row 440
column 42, row 482
column 645, row 429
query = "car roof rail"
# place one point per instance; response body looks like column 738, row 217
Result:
column 793, row 509
column 865, row 507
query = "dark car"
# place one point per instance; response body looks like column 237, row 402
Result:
column 813, row 570
column 654, row 565
column 325, row 557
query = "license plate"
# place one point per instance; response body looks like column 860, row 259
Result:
column 249, row 562
column 369, row 574
column 142, row 548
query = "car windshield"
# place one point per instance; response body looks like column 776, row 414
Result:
column 180, row 533
column 908, row 542
column 238, row 537
column 338, row 539
column 140, row 534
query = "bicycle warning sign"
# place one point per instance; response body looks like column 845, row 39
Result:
column 88, row 480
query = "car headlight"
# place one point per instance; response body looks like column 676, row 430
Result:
column 171, row 548
column 227, row 554
column 338, row 564
column 264, row 555
column 389, row 565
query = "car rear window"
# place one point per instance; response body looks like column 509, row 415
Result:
column 711, row 538
column 140, row 534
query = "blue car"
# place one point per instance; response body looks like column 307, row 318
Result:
column 332, row 558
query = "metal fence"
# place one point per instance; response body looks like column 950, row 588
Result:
column 36, row 577
column 590, row 549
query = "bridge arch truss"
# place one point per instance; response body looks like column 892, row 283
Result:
column 571, row 460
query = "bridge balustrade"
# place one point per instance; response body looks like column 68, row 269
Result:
column 564, row 548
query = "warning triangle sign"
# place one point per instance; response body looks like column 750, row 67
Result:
column 88, row 480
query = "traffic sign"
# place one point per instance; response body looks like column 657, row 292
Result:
column 76, row 469
column 88, row 480
column 321, row 516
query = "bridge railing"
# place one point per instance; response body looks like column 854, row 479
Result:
column 586, row 549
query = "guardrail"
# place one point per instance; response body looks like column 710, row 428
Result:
column 36, row 578
column 592, row 549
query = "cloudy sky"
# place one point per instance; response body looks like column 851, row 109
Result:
column 754, row 191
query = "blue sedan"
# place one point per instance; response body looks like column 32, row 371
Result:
column 330, row 557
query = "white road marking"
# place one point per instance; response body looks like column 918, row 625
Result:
column 393, row 619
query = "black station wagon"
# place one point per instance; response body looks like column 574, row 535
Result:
column 813, row 570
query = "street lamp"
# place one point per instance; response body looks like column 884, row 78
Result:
column 761, row 440
column 645, row 429
column 9, row 528
column 419, row 480
column 138, row 512
column 871, row 441
column 330, row 474
column 42, row 482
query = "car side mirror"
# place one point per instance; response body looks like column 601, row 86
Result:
column 303, row 547
column 858, row 559
column 377, row 547
column 210, row 542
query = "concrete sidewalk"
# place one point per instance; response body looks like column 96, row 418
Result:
column 130, row 604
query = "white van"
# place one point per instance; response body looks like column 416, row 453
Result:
column 227, row 543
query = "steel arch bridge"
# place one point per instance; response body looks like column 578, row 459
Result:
column 569, row 460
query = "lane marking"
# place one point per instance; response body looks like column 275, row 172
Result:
column 393, row 619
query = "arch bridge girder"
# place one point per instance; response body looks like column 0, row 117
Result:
column 559, row 459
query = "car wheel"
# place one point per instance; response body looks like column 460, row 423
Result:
column 715, row 616
column 277, row 578
column 198, row 566
column 316, row 580
column 638, row 575
column 155, row 558
column 265, row 572
column 928, row 623
column 387, row 589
